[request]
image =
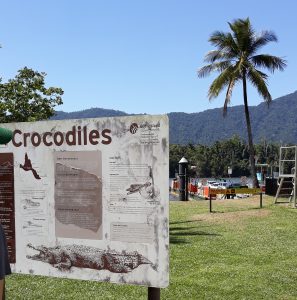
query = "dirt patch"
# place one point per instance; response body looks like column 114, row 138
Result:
column 232, row 217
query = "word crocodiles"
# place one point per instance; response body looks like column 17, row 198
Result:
column 66, row 257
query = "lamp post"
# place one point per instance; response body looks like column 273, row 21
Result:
column 183, row 179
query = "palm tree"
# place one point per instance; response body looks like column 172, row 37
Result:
column 236, row 59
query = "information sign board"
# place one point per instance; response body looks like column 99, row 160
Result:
column 89, row 198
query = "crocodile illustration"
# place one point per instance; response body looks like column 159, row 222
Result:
column 134, row 188
column 66, row 257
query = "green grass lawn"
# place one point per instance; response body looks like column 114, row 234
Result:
column 237, row 252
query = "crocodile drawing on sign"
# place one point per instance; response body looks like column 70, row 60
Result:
column 137, row 187
column 66, row 257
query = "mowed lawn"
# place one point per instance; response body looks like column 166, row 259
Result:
column 237, row 252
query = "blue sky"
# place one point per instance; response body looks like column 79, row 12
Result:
column 137, row 56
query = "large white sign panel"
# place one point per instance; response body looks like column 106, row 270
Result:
column 90, row 198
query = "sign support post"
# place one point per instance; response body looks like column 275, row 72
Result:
column 153, row 293
column 210, row 201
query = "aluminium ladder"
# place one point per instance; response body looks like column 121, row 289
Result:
column 287, row 173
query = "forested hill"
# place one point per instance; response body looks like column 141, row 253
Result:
column 277, row 123
column 88, row 113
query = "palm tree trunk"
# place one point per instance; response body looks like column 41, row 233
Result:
column 250, row 136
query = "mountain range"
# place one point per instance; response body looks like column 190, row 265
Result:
column 276, row 123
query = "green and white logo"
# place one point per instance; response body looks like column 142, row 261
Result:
column 5, row 135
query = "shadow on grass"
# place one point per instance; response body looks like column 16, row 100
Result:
column 180, row 234
column 234, row 210
column 182, row 222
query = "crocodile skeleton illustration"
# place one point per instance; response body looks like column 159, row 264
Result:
column 66, row 257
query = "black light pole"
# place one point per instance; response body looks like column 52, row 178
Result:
column 183, row 179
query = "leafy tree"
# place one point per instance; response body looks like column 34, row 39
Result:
column 267, row 152
column 212, row 161
column 236, row 60
column 25, row 98
column 175, row 154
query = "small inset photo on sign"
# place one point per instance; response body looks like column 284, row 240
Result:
column 78, row 194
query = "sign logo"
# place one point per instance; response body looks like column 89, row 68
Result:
column 5, row 136
column 133, row 128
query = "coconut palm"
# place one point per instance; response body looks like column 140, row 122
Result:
column 236, row 59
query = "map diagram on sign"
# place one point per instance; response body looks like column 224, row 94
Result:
column 78, row 194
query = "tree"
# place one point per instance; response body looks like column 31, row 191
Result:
column 25, row 98
column 236, row 59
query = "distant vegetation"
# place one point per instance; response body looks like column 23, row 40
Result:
column 89, row 113
column 213, row 161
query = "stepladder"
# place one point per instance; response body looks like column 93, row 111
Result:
column 287, row 175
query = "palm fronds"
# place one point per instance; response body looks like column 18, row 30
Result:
column 235, row 54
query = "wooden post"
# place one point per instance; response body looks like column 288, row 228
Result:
column 295, row 177
column 153, row 293
column 261, row 204
column 210, row 201
column 2, row 289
